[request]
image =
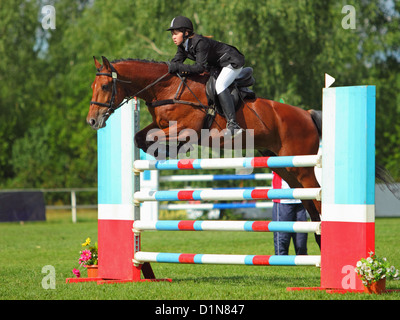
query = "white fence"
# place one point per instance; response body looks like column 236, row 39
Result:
column 386, row 204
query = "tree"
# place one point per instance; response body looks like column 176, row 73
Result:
column 18, row 75
column 44, row 140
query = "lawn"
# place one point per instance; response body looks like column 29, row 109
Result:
column 26, row 248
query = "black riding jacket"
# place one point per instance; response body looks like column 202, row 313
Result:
column 207, row 52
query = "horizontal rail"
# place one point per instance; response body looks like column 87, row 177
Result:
column 222, row 188
column 229, row 195
column 216, row 177
column 78, row 206
column 228, row 163
column 221, row 206
column 260, row 260
column 251, row 226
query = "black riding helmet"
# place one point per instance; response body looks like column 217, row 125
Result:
column 181, row 22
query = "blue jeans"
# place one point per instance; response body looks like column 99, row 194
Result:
column 289, row 212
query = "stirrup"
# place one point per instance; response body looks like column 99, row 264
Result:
column 233, row 128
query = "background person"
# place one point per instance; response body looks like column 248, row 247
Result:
column 288, row 210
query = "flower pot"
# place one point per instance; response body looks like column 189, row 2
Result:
column 92, row 271
column 377, row 287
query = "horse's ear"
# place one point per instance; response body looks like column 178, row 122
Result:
column 106, row 63
column 96, row 63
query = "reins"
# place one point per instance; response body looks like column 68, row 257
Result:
column 114, row 75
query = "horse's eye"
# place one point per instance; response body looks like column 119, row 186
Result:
column 104, row 87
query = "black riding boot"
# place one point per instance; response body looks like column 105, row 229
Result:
column 226, row 101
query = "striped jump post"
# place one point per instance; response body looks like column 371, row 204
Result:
column 348, row 177
column 116, row 209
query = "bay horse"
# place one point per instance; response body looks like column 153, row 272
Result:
column 279, row 129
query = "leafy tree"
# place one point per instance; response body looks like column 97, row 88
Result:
column 46, row 74
column 19, row 77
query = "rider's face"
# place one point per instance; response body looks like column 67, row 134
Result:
column 177, row 37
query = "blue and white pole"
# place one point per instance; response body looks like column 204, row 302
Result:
column 348, row 175
column 116, row 211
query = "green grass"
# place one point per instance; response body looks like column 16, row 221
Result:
column 26, row 248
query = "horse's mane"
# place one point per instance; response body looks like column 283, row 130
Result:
column 160, row 63
column 138, row 60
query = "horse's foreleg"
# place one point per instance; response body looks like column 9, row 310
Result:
column 167, row 142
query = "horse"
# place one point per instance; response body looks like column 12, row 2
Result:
column 279, row 129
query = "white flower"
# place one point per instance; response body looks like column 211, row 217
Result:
column 370, row 276
column 364, row 265
column 373, row 269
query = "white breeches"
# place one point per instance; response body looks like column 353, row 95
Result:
column 226, row 77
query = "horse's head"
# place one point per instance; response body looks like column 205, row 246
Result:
column 107, row 94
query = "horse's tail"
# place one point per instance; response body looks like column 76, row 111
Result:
column 382, row 174
column 316, row 116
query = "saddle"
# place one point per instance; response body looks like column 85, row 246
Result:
column 239, row 88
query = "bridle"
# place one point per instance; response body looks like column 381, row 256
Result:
column 110, row 104
column 114, row 76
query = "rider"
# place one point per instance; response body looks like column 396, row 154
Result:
column 205, row 51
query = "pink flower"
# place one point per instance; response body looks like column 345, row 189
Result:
column 85, row 256
column 76, row 272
